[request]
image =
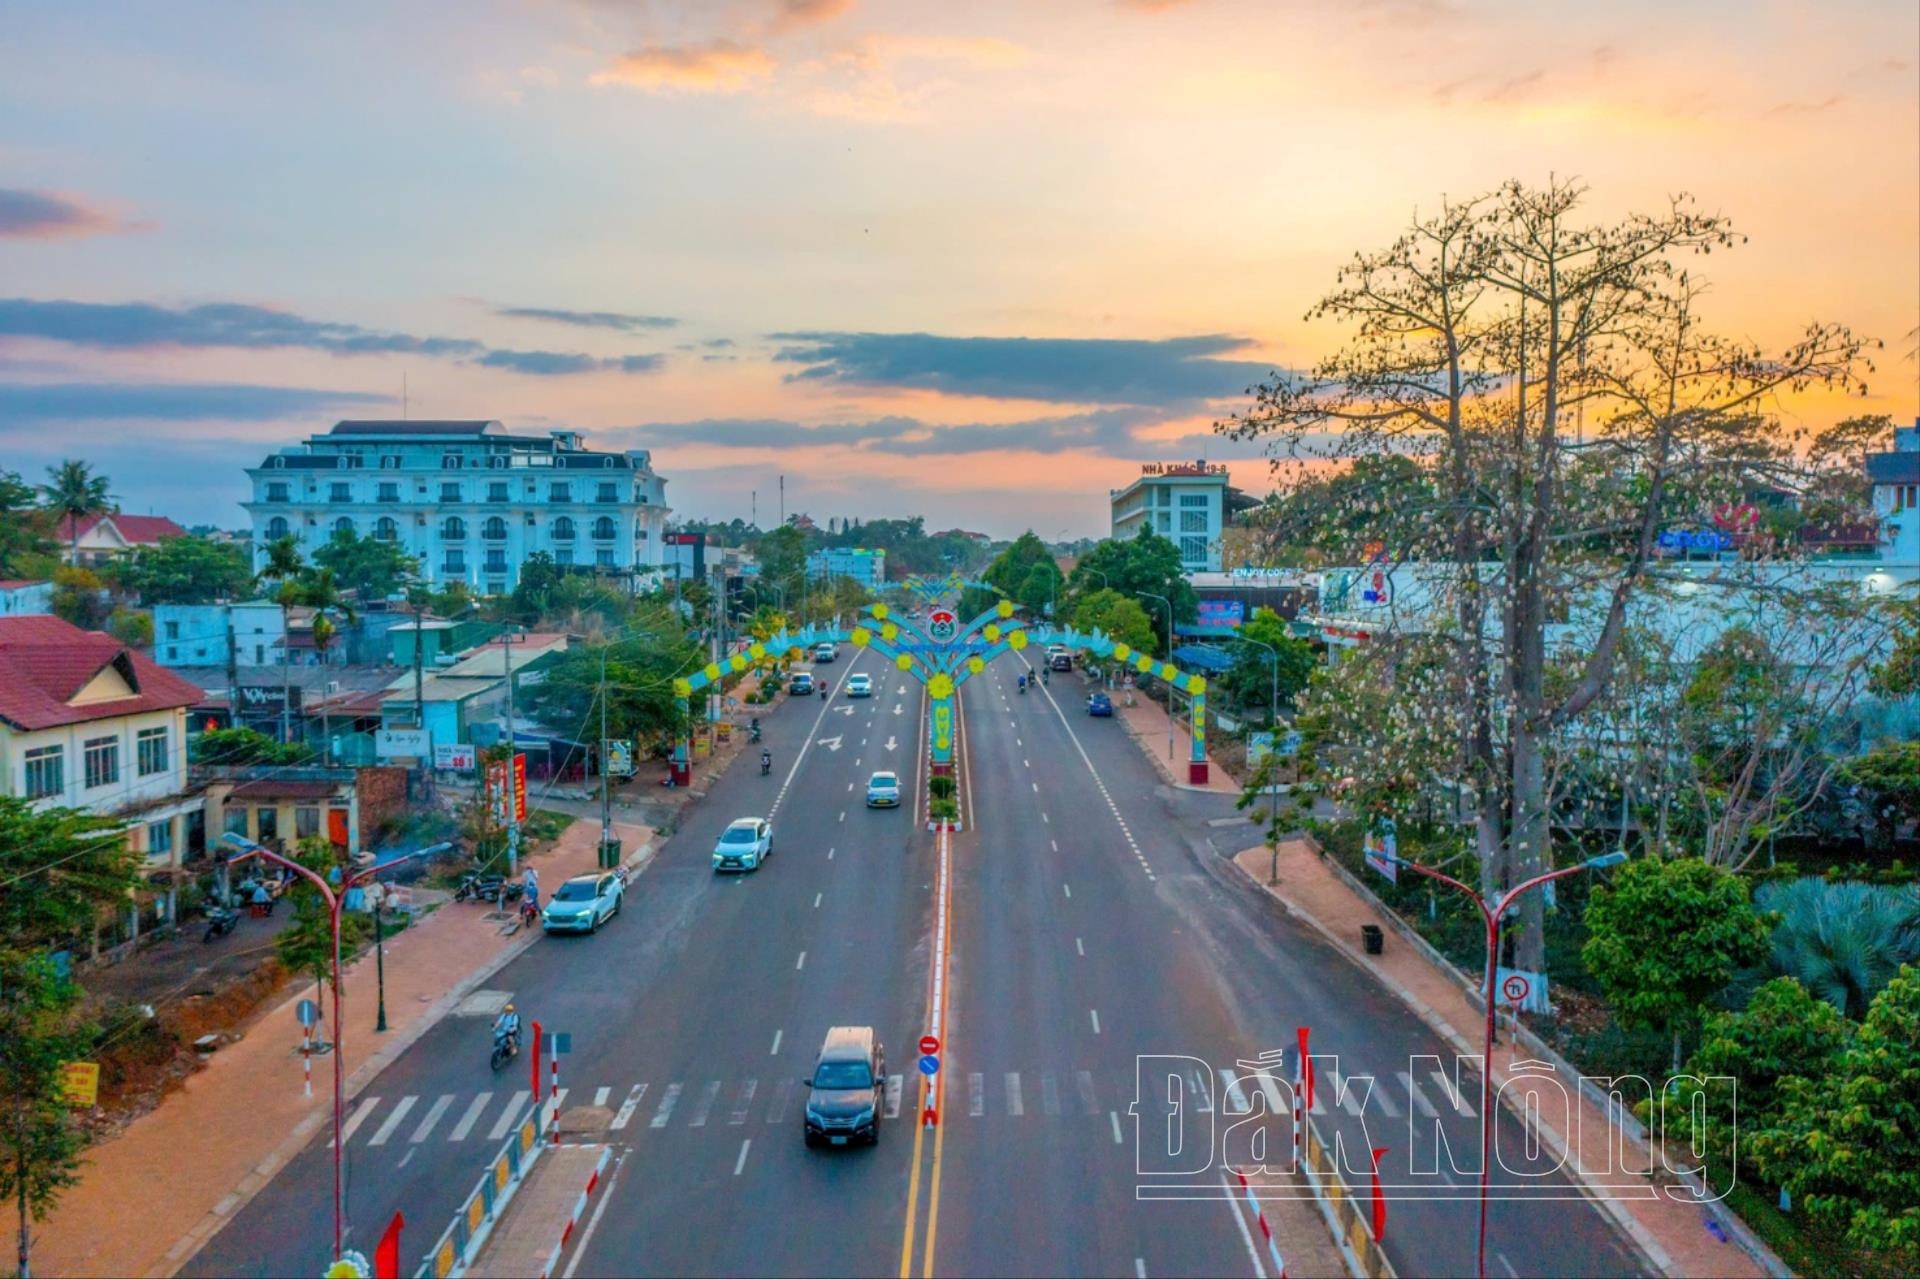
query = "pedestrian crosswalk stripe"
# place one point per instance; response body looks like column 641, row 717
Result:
column 896, row 1090
column 1015, row 1105
column 1276, row 1100
column 510, row 1116
column 394, row 1117
column 704, row 1105
column 1049, row 1093
column 1087, row 1103
column 624, row 1115
column 743, row 1102
column 1419, row 1098
column 438, row 1109
column 1202, row 1094
column 665, row 1112
column 472, row 1117
column 600, row 1096
column 358, row 1117
column 1455, row 1097
column 1383, row 1098
column 976, row 1095
column 1236, row 1102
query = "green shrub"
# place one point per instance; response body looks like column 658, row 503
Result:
column 942, row 786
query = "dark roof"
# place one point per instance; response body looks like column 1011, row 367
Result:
column 414, row 426
column 1893, row 468
column 276, row 788
column 45, row 660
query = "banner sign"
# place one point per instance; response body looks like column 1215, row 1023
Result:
column 619, row 756
column 459, row 757
column 80, row 1082
column 519, row 788
column 941, row 625
column 1220, row 612
column 1678, row 541
column 390, row 743
column 1381, row 848
column 497, row 791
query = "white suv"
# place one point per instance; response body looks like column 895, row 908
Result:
column 744, row 844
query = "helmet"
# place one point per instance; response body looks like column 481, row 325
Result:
column 507, row 1009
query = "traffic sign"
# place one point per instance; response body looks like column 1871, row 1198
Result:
column 929, row 1045
column 307, row 1011
column 1515, row 989
column 561, row 1042
column 80, row 1083
column 929, row 1065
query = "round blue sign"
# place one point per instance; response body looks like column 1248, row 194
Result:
column 929, row 1065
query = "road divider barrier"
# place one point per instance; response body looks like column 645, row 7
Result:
column 462, row 1240
column 1347, row 1215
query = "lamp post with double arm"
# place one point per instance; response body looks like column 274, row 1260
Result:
column 1493, row 915
column 335, row 900
column 1169, row 603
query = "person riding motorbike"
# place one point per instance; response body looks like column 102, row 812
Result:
column 508, row 1027
column 1023, row 683
column 1046, row 675
column 823, row 690
column 766, row 762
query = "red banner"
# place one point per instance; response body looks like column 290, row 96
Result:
column 386, row 1257
column 519, row 788
column 1379, row 1199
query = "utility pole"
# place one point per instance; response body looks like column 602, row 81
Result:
column 419, row 662
column 513, row 809
column 233, row 673
column 609, row 850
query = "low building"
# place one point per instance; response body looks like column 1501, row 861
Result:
column 88, row 723
column 112, row 536
column 201, row 634
column 861, row 564
column 23, row 597
column 440, row 641
column 280, row 806
column 1184, row 502
column 467, row 702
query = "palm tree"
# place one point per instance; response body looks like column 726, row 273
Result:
column 283, row 560
column 72, row 493
column 1843, row 941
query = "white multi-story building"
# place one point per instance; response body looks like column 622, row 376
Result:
column 864, row 565
column 1183, row 502
column 471, row 499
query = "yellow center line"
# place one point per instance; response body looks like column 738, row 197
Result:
column 938, row 1082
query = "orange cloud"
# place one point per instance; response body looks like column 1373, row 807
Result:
column 712, row 66
column 805, row 13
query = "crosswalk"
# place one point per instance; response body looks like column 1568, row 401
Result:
column 650, row 1106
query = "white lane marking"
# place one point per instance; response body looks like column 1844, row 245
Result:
column 798, row 757
column 438, row 1109
column 1026, row 763
column 829, row 854
column 896, row 1089
column 406, row 1159
column 600, row 1096
column 1133, row 845
column 1233, row 1206
column 665, row 1112
column 1080, row 948
column 741, row 1162
column 398, row 1113
column 816, row 900
column 1095, row 1014
column 743, row 1102
column 358, row 1117
column 624, row 1115
column 1276, row 1100
column 1351, row 1098
column 1015, row 1104
column 1202, row 1093
column 1419, row 1098
column 1506, row 1265
column 777, row 1109
column 1048, row 820
column 843, row 814
column 1036, row 787
column 1236, row 1102
column 509, row 1116
column 704, row 1105
column 801, row 962
column 1067, row 889
column 1139, row 1269
column 1113, row 1117
column 976, row 1095
column 1455, row 1097
column 850, row 784
column 775, row 1050
column 472, row 1117
column 1383, row 1097
column 593, row 1223
column 1084, row 1080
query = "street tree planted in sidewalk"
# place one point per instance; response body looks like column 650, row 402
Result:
column 1667, row 935
column 62, row 869
column 1557, row 380
column 40, row 1147
column 305, row 947
column 1121, row 618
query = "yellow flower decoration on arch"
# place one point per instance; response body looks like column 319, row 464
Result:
column 1016, row 640
column 712, row 672
column 793, row 653
column 904, row 661
column 991, row 632
column 737, row 663
column 1143, row 662
column 889, row 632
column 976, row 664
column 1005, row 608
column 1169, row 672
column 681, row 688
column 1121, row 652
column 758, row 650
column 880, row 611
column 940, row 687
column 1196, row 685
column 862, row 637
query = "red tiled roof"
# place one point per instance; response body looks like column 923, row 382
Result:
column 276, row 788
column 45, row 660
column 15, row 583
column 135, row 530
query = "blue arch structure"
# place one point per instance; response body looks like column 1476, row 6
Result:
column 944, row 664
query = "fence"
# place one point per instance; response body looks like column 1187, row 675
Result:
column 456, row 1248
column 1347, row 1215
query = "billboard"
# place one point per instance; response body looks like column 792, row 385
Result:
column 1220, row 613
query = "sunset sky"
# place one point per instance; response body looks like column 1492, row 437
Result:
column 972, row 260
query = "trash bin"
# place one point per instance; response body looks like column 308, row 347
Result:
column 1375, row 939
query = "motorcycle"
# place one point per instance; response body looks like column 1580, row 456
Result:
column 766, row 766
column 1023, row 685
column 506, row 1046
column 753, row 733
column 478, row 887
column 823, row 690
column 220, row 922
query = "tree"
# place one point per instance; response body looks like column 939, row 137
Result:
column 239, row 747
column 640, row 700
column 187, row 570
column 534, row 591
column 1890, row 777
column 1848, row 1143
column 1837, row 488
column 63, row 867
column 39, row 1145
column 80, row 597
column 73, row 492
column 783, row 556
column 1665, row 936
column 1122, row 619
column 1251, row 679
column 1559, row 382
column 24, row 545
column 1388, row 499
column 1843, row 941
column 368, row 566
column 1136, row 567
column 131, row 626
column 306, row 946
column 283, row 560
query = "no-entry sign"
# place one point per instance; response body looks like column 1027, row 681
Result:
column 929, row 1045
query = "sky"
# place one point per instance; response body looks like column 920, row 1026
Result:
column 972, row 261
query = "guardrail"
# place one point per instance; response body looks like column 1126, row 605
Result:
column 1346, row 1214
column 456, row 1248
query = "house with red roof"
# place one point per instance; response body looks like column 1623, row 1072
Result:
column 88, row 723
column 111, row 536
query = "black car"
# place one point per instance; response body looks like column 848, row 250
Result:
column 847, row 1088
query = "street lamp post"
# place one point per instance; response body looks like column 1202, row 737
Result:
column 1273, row 786
column 1169, row 603
column 380, row 963
column 1493, row 916
column 334, row 903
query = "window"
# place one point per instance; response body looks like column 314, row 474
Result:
column 385, row 529
column 563, row 529
column 159, row 838
column 563, row 558
column 456, row 561
column 343, row 525
column 276, row 492
column 389, row 462
column 606, row 493
column 452, row 462
column 173, row 630
column 389, row 491
column 1193, row 521
column 277, row 527
column 639, row 535
column 495, row 529
column 102, row 761
column 449, row 492
column 604, row 557
column 496, row 587
column 1161, row 496
column 1193, row 499
column 306, row 822
column 266, row 824
column 150, row 751
column 1164, row 521
column 497, row 491
column 496, row 560
column 46, row 771
column 604, row 528
column 259, row 655
column 1193, row 550
column 558, row 492
column 339, row 492
column 453, row 528
column 234, row 822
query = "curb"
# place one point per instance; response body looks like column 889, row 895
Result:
column 579, row 1208
column 217, row 1217
column 1642, row 1240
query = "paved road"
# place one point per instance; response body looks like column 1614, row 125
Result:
column 1091, row 921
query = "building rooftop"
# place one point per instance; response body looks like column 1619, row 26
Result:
column 415, row 426
column 1894, row 468
column 53, row 673
column 136, row 530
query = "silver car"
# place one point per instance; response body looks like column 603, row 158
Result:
column 583, row 903
column 744, row 845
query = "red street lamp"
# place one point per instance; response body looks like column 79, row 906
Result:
column 334, row 902
column 1493, row 916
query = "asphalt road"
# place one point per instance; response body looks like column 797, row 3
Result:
column 1091, row 922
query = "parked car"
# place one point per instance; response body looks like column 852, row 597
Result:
column 583, row 903
column 859, row 686
column 1099, row 704
column 883, row 790
column 801, row 685
column 847, row 1089
column 825, row 652
column 744, row 844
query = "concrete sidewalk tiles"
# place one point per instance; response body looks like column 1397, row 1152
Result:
column 245, row 1117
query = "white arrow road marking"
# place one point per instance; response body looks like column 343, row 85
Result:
column 891, row 743
column 831, row 743
column 899, row 709
column 843, row 710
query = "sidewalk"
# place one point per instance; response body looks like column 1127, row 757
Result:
column 1671, row 1233
column 240, row 1120
column 1147, row 720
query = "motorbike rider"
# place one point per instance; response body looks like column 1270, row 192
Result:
column 1023, row 683
column 508, row 1027
column 1046, row 675
column 766, row 762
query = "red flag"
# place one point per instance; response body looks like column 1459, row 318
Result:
column 1306, row 1067
column 534, row 1057
column 1379, row 1199
column 386, row 1257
